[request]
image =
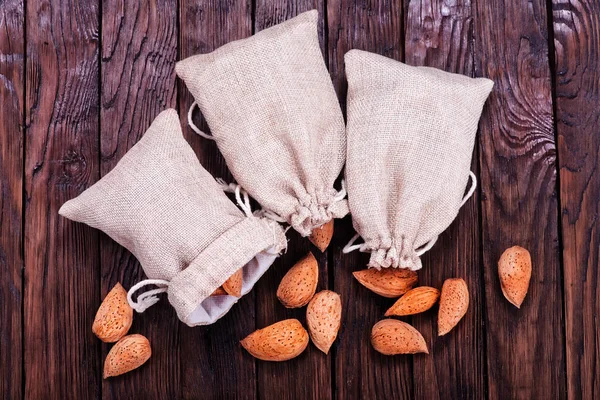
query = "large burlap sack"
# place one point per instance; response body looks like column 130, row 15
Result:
column 273, row 112
column 166, row 209
column 411, row 132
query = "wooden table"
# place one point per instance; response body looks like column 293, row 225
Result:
column 81, row 80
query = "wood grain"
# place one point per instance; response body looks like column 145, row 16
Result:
column 576, row 42
column 139, row 50
column 525, row 348
column 440, row 35
column 359, row 370
column 313, row 366
column 12, row 64
column 62, row 286
column 213, row 363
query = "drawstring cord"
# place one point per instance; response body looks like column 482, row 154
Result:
column 149, row 298
column 362, row 247
column 239, row 193
column 193, row 126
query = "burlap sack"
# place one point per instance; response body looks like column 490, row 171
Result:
column 166, row 209
column 272, row 109
column 410, row 132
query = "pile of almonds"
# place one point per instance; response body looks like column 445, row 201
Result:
column 391, row 336
column 287, row 339
column 112, row 322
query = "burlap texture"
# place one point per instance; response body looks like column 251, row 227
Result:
column 165, row 208
column 272, row 109
column 411, row 132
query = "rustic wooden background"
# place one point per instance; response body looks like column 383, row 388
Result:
column 81, row 80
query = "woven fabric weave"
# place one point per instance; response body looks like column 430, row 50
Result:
column 164, row 207
column 411, row 132
column 272, row 109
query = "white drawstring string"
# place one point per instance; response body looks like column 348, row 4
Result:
column 193, row 126
column 341, row 194
column 239, row 193
column 350, row 247
column 426, row 247
column 149, row 298
column 471, row 189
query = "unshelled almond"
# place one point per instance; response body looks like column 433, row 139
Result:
column 323, row 318
column 233, row 285
column 391, row 337
column 126, row 355
column 219, row 292
column 414, row 301
column 387, row 282
column 299, row 285
column 514, row 270
column 321, row 236
column 281, row 341
column 114, row 317
column 454, row 302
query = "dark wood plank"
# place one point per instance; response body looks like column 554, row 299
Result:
column 525, row 348
column 139, row 50
column 213, row 363
column 62, row 286
column 577, row 63
column 359, row 370
column 12, row 64
column 441, row 36
column 309, row 375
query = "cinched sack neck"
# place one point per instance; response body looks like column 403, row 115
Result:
column 314, row 210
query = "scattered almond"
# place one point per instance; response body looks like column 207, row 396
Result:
column 391, row 337
column 298, row 286
column 514, row 270
column 323, row 318
column 114, row 317
column 414, row 301
column 454, row 302
column 281, row 341
column 126, row 355
column 388, row 282
column 321, row 236
column 233, row 285
column 219, row 292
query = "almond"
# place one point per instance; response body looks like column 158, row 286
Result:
column 414, row 301
column 298, row 286
column 126, row 355
column 321, row 236
column 233, row 285
column 323, row 318
column 114, row 317
column 514, row 270
column 281, row 341
column 388, row 282
column 219, row 292
column 454, row 302
column 391, row 337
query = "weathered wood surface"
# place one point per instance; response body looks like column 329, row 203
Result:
column 12, row 65
column 62, row 358
column 577, row 74
column 525, row 348
column 82, row 80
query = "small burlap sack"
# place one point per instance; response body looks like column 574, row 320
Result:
column 410, row 132
column 166, row 209
column 273, row 112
